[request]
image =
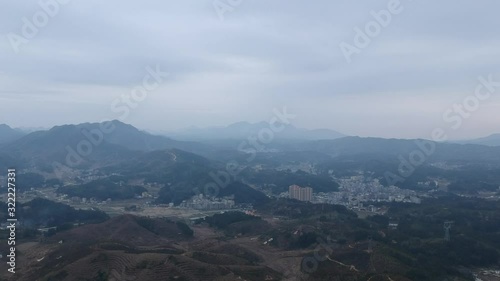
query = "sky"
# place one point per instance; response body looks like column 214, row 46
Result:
column 383, row 68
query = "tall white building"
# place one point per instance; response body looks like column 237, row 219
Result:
column 300, row 193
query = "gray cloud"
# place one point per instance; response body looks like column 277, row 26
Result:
column 262, row 55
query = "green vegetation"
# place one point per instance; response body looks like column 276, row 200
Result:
column 165, row 227
column 27, row 181
column 58, row 276
column 185, row 229
column 175, row 193
column 475, row 233
column 224, row 220
column 416, row 249
column 299, row 209
column 42, row 213
column 101, row 276
column 244, row 194
column 237, row 223
column 102, row 190
column 279, row 181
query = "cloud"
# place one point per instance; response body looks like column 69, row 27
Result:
column 262, row 55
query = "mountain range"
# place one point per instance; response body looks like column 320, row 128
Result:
column 103, row 142
column 243, row 130
column 7, row 134
column 492, row 140
column 113, row 142
column 184, row 166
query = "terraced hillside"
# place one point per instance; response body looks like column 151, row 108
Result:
column 135, row 248
column 306, row 242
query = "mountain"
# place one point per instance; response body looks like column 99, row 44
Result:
column 28, row 130
column 396, row 147
column 244, row 130
column 7, row 134
column 89, row 143
column 126, row 136
column 7, row 162
column 128, row 248
column 166, row 166
column 127, row 229
column 492, row 140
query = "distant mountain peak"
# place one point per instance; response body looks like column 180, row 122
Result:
column 7, row 134
column 243, row 130
column 104, row 144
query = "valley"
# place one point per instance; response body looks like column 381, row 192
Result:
column 136, row 212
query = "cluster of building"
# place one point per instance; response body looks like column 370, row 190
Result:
column 201, row 202
column 300, row 193
column 83, row 200
column 358, row 189
column 354, row 192
column 482, row 274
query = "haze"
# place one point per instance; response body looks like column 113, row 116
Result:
column 261, row 55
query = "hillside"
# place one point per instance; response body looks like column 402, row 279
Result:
column 87, row 144
column 127, row 230
column 492, row 140
column 7, row 134
column 396, row 147
column 135, row 248
column 277, row 244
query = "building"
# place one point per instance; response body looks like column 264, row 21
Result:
column 300, row 193
column 294, row 191
column 393, row 225
column 204, row 203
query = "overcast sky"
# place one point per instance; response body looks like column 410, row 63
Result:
column 238, row 64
